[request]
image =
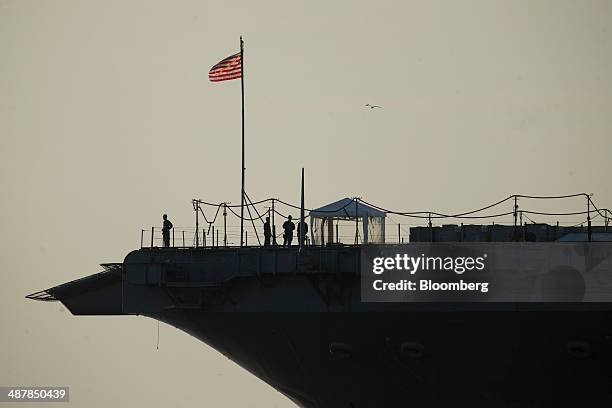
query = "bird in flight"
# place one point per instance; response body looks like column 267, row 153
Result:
column 373, row 106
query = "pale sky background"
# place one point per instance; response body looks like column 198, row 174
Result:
column 107, row 120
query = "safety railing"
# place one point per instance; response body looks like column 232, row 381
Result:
column 211, row 237
column 215, row 236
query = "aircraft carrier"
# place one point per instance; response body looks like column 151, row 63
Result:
column 295, row 318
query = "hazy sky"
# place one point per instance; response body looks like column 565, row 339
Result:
column 107, row 120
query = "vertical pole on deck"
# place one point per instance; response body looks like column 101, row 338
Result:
column 301, row 228
column 589, row 217
column 242, row 168
column 356, row 221
column 152, row 234
column 337, row 233
column 196, row 206
column 399, row 234
column 141, row 237
column 224, row 224
column 273, row 226
column 430, row 228
column 515, row 214
column 183, row 238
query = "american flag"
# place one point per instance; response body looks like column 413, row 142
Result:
column 229, row 68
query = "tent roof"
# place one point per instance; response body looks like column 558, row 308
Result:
column 345, row 208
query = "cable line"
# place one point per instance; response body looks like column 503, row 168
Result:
column 603, row 212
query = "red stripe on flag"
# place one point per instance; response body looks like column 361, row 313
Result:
column 224, row 70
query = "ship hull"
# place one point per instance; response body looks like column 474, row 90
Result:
column 298, row 322
column 418, row 359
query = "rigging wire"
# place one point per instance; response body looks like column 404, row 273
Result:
column 597, row 209
column 556, row 214
column 210, row 223
column 525, row 215
column 252, row 221
column 549, row 197
column 244, row 218
column 287, row 216
column 425, row 214
column 253, row 205
column 318, row 211
column 438, row 215
column 585, row 221
column 232, row 206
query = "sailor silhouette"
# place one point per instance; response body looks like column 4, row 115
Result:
column 288, row 226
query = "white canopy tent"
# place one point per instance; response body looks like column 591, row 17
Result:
column 323, row 218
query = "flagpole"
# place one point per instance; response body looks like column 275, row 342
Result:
column 242, row 186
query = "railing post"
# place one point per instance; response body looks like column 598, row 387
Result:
column 274, row 243
column 356, row 221
column 152, row 234
column 224, row 224
column 183, row 238
column 141, row 237
column 399, row 234
column 204, row 236
column 197, row 235
column 515, row 215
column 589, row 218
column 172, row 237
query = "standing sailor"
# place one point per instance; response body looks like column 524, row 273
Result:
column 166, row 231
column 302, row 230
column 288, row 226
column 267, row 232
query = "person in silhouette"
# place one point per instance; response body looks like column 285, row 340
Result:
column 302, row 230
column 288, row 226
column 267, row 232
column 166, row 231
